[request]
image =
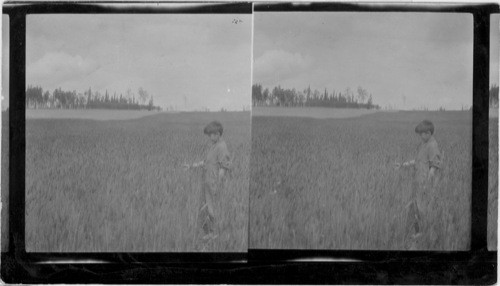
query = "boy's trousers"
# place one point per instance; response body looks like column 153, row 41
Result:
column 212, row 186
column 417, row 208
column 208, row 196
column 209, row 189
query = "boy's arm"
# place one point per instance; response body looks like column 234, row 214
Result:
column 224, row 159
column 432, row 172
column 435, row 161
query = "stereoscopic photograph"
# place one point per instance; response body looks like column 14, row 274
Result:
column 137, row 132
column 361, row 131
column 493, row 134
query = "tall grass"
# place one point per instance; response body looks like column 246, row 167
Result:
column 119, row 185
column 330, row 183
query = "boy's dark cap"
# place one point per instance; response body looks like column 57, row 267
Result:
column 425, row 126
column 213, row 127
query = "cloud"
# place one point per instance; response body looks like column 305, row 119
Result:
column 278, row 65
column 56, row 68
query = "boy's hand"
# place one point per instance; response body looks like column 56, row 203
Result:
column 397, row 166
column 410, row 163
column 194, row 165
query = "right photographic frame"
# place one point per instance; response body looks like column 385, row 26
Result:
column 361, row 131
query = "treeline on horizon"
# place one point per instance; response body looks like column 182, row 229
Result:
column 279, row 96
column 37, row 98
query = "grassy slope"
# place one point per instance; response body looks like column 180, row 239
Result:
column 329, row 184
column 119, row 186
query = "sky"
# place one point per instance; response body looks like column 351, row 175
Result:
column 187, row 61
column 405, row 60
column 426, row 55
column 494, row 49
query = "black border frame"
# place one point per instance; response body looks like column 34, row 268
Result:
column 477, row 266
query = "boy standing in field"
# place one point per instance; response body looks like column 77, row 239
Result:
column 215, row 168
column 427, row 164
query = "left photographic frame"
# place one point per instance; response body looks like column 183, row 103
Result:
column 121, row 152
column 115, row 118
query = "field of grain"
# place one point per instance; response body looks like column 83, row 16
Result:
column 119, row 185
column 331, row 184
